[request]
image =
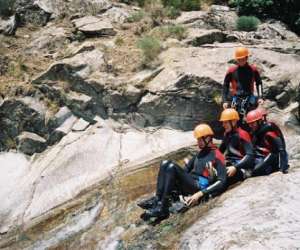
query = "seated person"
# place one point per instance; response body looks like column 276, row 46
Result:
column 269, row 144
column 204, row 175
column 237, row 147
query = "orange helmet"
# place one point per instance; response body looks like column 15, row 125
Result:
column 254, row 115
column 241, row 52
column 229, row 115
column 202, row 130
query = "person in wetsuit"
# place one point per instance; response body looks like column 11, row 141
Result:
column 237, row 147
column 239, row 82
column 269, row 144
column 203, row 176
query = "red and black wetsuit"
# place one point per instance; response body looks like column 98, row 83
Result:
column 239, row 152
column 239, row 81
column 208, row 163
column 239, row 149
column 270, row 150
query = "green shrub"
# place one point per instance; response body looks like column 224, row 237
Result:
column 186, row 5
column 172, row 12
column 136, row 16
column 247, row 23
column 287, row 11
column 6, row 7
column 177, row 31
column 151, row 48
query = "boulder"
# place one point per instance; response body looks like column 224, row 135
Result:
column 8, row 27
column 80, row 125
column 94, row 26
column 198, row 37
column 49, row 40
column 29, row 12
column 30, row 143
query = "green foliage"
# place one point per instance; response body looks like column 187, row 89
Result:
column 287, row 11
column 151, row 48
column 6, row 7
column 176, row 31
column 136, row 16
column 247, row 23
column 172, row 12
column 186, row 5
column 250, row 7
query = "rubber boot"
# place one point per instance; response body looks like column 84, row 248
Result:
column 161, row 212
column 149, row 203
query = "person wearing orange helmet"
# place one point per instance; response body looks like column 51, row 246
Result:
column 237, row 147
column 239, row 81
column 269, row 144
column 203, row 176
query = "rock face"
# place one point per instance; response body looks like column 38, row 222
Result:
column 30, row 143
column 8, row 27
column 257, row 214
column 93, row 26
column 80, row 160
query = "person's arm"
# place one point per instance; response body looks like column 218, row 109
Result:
column 226, row 87
column 219, row 184
column 259, row 84
column 279, row 148
column 247, row 161
column 223, row 146
column 190, row 165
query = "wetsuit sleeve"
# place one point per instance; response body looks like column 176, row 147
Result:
column 222, row 147
column 189, row 167
column 226, row 86
column 279, row 148
column 259, row 84
column 247, row 161
column 219, row 184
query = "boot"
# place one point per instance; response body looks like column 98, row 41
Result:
column 160, row 211
column 149, row 203
column 247, row 173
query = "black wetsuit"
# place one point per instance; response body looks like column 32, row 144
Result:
column 270, row 150
column 239, row 81
column 187, row 181
column 239, row 152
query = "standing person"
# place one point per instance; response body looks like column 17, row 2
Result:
column 239, row 82
column 203, row 176
column 237, row 147
column 269, row 144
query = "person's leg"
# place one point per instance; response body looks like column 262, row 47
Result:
column 152, row 202
column 174, row 176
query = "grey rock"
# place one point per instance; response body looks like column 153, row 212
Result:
column 116, row 15
column 283, row 99
column 49, row 40
column 198, row 37
column 80, row 125
column 62, row 130
column 29, row 12
column 246, row 216
column 218, row 17
column 94, row 26
column 8, row 27
column 30, row 143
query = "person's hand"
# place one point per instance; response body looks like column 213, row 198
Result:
column 186, row 161
column 231, row 171
column 260, row 101
column 191, row 201
column 225, row 105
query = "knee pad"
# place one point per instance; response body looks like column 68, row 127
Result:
column 164, row 163
column 170, row 167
